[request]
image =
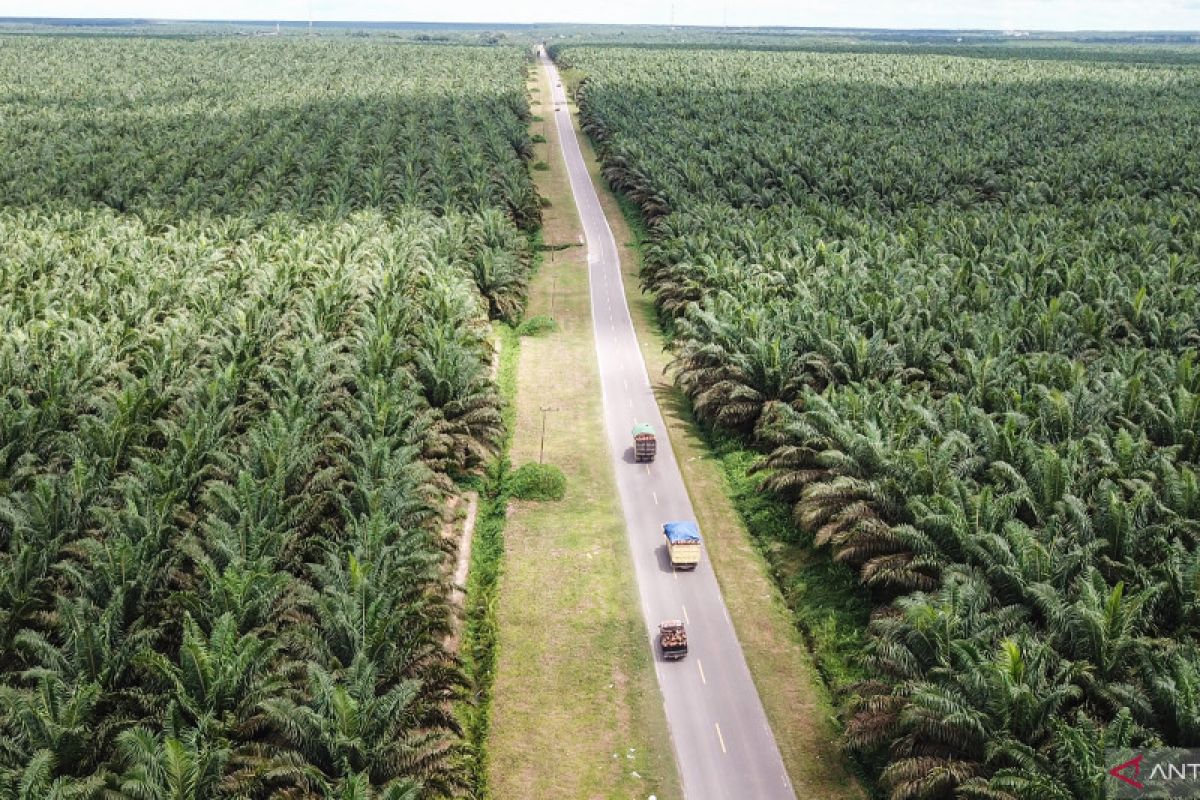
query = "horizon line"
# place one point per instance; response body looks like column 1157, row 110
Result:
column 305, row 21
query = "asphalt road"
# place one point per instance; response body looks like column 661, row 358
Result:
column 723, row 744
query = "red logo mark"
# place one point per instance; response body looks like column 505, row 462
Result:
column 1136, row 765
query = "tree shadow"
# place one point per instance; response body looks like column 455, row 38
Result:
column 158, row 131
column 998, row 133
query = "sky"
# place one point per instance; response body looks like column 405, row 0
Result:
column 988, row 14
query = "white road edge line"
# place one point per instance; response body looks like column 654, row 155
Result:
column 720, row 738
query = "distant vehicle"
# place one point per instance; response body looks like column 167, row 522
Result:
column 645, row 444
column 672, row 638
column 683, row 544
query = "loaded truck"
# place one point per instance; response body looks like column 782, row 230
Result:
column 672, row 638
column 683, row 544
column 645, row 445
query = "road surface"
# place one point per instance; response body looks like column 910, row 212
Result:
column 723, row 745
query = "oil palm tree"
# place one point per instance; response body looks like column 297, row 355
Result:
column 221, row 678
column 51, row 726
column 183, row 765
column 352, row 726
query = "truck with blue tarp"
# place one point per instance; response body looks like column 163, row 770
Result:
column 683, row 544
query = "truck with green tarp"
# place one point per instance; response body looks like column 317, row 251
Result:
column 645, row 443
column 683, row 544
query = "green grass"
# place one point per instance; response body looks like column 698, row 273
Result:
column 633, row 219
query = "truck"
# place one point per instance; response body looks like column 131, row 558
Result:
column 672, row 639
column 645, row 445
column 683, row 544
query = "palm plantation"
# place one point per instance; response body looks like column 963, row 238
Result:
column 248, row 356
column 965, row 349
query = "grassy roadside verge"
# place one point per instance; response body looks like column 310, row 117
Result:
column 576, row 710
column 796, row 699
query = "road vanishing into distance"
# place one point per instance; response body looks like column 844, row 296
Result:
column 723, row 745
